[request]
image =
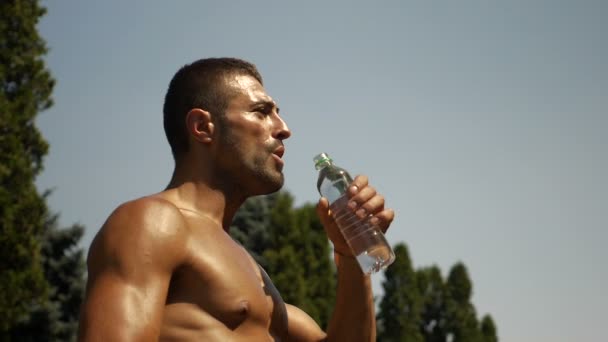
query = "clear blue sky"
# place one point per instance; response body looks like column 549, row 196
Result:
column 483, row 122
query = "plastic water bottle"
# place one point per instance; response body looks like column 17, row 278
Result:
column 365, row 240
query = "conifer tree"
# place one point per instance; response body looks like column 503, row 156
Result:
column 319, row 270
column 488, row 329
column 438, row 309
column 42, row 270
column 462, row 322
column 25, row 90
column 291, row 244
column 64, row 269
column 250, row 226
column 401, row 305
column 284, row 264
column 433, row 318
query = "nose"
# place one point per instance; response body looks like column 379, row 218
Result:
column 281, row 131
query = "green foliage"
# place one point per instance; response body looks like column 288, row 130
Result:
column 25, row 90
column 434, row 317
column 317, row 261
column 400, row 308
column 250, row 226
column 459, row 284
column 462, row 324
column 285, row 266
column 41, row 282
column 287, row 274
column 421, row 306
column 488, row 329
column 418, row 305
column 291, row 245
column 64, row 268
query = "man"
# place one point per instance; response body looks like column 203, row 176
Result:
column 163, row 267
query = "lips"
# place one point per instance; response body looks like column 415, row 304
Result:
column 279, row 152
column 277, row 155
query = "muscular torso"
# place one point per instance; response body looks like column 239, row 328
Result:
column 219, row 293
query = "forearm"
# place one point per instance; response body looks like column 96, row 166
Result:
column 353, row 318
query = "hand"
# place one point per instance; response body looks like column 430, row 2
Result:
column 364, row 201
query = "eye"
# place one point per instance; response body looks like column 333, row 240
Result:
column 264, row 110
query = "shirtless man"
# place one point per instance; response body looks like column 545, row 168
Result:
column 163, row 267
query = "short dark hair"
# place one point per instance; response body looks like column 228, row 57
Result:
column 201, row 84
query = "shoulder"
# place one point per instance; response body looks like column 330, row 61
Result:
column 147, row 213
column 146, row 217
column 148, row 229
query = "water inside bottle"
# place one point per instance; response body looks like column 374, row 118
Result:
column 365, row 240
column 367, row 243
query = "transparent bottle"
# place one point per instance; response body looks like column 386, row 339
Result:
column 365, row 240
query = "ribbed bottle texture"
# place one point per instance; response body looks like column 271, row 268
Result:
column 365, row 240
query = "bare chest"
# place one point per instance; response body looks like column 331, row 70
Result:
column 221, row 288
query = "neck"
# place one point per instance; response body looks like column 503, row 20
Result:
column 204, row 192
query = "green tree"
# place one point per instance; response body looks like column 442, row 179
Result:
column 319, row 271
column 250, row 226
column 421, row 306
column 291, row 244
column 433, row 322
column 462, row 322
column 64, row 269
column 488, row 329
column 25, row 90
column 401, row 305
column 283, row 262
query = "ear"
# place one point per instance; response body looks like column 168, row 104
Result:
column 199, row 125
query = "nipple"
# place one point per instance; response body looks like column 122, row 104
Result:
column 243, row 307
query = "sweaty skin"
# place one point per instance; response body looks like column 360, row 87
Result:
column 164, row 267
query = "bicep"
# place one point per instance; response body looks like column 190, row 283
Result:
column 116, row 309
column 129, row 276
column 302, row 327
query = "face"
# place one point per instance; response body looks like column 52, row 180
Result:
column 250, row 136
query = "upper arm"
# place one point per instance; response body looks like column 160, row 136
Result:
column 301, row 327
column 129, row 268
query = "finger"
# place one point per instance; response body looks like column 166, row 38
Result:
column 359, row 182
column 383, row 219
column 331, row 229
column 323, row 203
column 323, row 210
column 372, row 206
column 363, row 195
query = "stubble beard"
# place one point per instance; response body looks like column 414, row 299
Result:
column 254, row 174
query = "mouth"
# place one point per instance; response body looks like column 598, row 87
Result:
column 279, row 152
column 278, row 155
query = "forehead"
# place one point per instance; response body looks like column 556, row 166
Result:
column 247, row 89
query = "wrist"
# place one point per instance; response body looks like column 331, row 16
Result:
column 347, row 264
column 339, row 255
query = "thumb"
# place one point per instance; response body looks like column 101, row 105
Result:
column 323, row 210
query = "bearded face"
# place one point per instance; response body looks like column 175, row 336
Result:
column 250, row 138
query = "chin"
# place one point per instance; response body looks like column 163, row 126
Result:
column 269, row 185
column 274, row 187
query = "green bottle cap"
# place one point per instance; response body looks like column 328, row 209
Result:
column 320, row 159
